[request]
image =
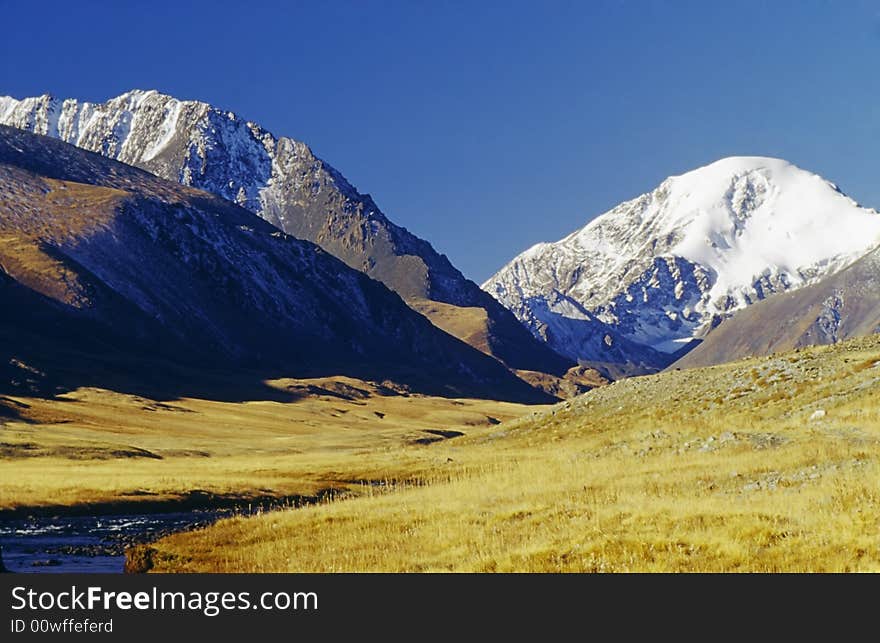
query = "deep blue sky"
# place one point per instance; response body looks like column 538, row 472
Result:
column 488, row 126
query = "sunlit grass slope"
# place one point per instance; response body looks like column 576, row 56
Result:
column 769, row 464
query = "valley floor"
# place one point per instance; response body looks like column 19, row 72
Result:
column 94, row 447
column 768, row 464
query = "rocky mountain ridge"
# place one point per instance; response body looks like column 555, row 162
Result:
column 285, row 183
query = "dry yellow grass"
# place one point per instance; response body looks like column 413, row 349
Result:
column 762, row 465
column 95, row 446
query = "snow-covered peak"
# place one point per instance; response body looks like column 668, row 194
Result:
column 665, row 265
column 731, row 165
column 740, row 216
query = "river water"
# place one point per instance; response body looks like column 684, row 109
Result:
column 88, row 544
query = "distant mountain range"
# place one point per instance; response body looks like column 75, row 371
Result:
column 111, row 276
column 748, row 255
column 640, row 285
column 282, row 181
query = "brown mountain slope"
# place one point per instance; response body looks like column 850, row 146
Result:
column 475, row 327
column 844, row 305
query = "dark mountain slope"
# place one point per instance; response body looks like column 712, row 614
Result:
column 107, row 267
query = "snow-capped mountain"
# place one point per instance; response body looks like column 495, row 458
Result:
column 107, row 271
column 637, row 284
column 282, row 181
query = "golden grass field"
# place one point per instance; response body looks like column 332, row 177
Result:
column 769, row 464
column 95, row 446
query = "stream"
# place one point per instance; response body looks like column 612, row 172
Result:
column 89, row 544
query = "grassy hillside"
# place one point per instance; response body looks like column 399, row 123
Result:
column 469, row 324
column 768, row 464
